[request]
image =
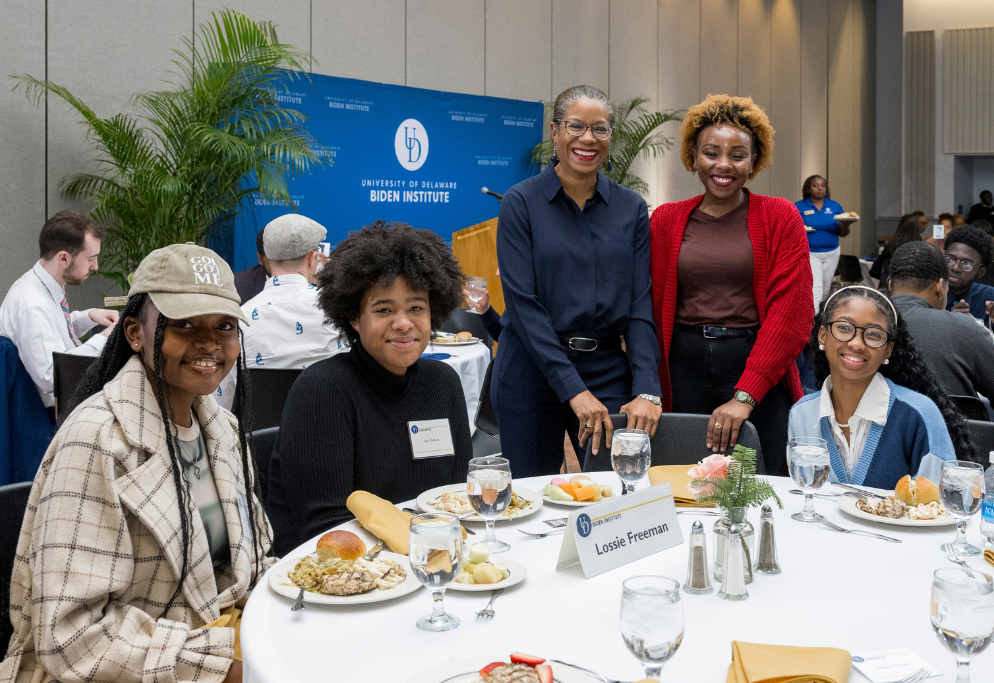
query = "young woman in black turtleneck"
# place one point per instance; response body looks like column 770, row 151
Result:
column 345, row 424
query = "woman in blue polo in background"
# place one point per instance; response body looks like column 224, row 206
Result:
column 818, row 212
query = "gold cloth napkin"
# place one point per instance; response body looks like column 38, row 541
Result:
column 754, row 663
column 231, row 617
column 383, row 519
column 989, row 556
column 678, row 478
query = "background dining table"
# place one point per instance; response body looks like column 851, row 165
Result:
column 470, row 362
column 838, row 590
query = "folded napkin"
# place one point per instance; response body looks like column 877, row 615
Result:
column 989, row 556
column 383, row 519
column 678, row 478
column 754, row 663
column 436, row 356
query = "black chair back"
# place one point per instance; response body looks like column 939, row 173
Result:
column 13, row 503
column 270, row 388
column 602, row 461
column 68, row 373
column 849, row 271
column 486, row 418
column 982, row 435
column 972, row 408
column 464, row 320
column 263, row 441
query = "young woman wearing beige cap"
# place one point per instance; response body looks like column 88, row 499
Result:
column 143, row 532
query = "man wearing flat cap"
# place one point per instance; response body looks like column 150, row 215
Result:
column 287, row 327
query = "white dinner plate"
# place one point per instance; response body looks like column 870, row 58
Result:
column 845, row 218
column 527, row 494
column 449, row 672
column 848, row 505
column 439, row 343
column 807, row 229
column 281, row 583
column 516, row 574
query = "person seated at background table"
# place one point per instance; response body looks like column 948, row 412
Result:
column 959, row 352
column 969, row 251
column 347, row 421
column 880, row 408
column 818, row 212
column 946, row 221
column 907, row 231
column 982, row 210
column 143, row 530
column 250, row 282
column 288, row 329
column 731, row 283
column 488, row 316
column 958, row 220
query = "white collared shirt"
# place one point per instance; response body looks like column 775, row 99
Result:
column 286, row 330
column 872, row 408
column 31, row 316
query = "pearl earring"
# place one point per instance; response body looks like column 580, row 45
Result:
column 886, row 361
column 821, row 347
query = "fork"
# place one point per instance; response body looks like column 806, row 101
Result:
column 707, row 513
column 486, row 611
column 299, row 604
column 469, row 532
column 859, row 492
column 836, row 527
column 542, row 535
column 596, row 675
column 916, row 677
column 953, row 554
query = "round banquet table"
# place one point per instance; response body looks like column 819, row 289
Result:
column 471, row 363
column 837, row 590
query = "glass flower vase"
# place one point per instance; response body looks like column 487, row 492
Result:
column 737, row 517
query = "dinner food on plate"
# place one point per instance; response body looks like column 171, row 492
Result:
column 580, row 488
column 463, row 336
column 458, row 504
column 522, row 669
column 339, row 568
column 847, row 214
column 479, row 570
column 914, row 492
column 894, row 508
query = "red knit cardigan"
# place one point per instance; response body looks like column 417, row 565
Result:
column 781, row 284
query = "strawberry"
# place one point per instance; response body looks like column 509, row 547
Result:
column 522, row 658
column 485, row 671
column 544, row 672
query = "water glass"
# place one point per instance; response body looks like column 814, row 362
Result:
column 651, row 620
column 962, row 613
column 476, row 287
column 809, row 464
column 962, row 491
column 488, row 486
column 630, row 457
column 436, row 554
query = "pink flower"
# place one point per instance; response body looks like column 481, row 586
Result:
column 712, row 467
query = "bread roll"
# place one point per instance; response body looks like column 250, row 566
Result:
column 343, row 545
column 914, row 492
column 464, row 336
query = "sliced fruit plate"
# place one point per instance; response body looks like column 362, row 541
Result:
column 579, row 491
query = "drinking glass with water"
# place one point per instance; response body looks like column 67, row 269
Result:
column 488, row 486
column 809, row 464
column 962, row 613
column 477, row 287
column 651, row 620
column 962, row 489
column 435, row 549
column 630, row 457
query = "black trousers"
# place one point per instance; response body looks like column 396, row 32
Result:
column 703, row 373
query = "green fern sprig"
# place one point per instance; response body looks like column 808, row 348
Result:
column 741, row 487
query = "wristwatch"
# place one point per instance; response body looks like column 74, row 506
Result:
column 744, row 397
column 651, row 399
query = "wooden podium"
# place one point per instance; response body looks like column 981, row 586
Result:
column 475, row 248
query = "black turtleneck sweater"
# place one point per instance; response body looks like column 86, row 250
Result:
column 344, row 429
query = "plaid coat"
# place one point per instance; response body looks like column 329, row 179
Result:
column 100, row 550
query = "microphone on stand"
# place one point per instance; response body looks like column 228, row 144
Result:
column 491, row 193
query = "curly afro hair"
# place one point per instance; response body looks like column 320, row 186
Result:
column 376, row 255
column 975, row 238
column 740, row 112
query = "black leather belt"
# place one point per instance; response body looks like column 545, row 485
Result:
column 712, row 332
column 588, row 344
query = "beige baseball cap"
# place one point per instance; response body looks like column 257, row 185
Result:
column 186, row 280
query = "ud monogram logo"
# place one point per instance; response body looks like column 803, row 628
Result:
column 255, row 314
column 258, row 359
column 205, row 270
column 300, row 328
column 410, row 143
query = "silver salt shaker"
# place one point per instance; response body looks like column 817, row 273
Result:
column 766, row 562
column 698, row 577
column 733, row 578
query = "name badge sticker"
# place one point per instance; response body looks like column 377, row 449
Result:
column 430, row 438
column 809, row 212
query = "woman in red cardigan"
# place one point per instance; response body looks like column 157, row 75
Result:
column 731, row 284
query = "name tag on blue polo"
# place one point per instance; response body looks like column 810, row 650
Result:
column 809, row 212
column 430, row 438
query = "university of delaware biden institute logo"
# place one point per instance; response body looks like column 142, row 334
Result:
column 411, row 144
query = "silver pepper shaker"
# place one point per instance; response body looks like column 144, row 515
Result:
column 767, row 560
column 733, row 578
column 698, row 579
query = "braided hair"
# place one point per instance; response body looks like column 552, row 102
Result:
column 116, row 353
column 907, row 366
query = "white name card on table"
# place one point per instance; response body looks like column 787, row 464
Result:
column 891, row 666
column 430, row 438
column 620, row 530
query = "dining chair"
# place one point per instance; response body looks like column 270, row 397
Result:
column 486, row 418
column 465, row 320
column 982, row 436
column 263, row 441
column 270, row 388
column 13, row 503
column 972, row 408
column 68, row 371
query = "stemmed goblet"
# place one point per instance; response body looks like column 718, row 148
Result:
column 962, row 614
column 809, row 464
column 435, row 549
column 488, row 486
column 630, row 457
column 961, row 487
column 651, row 620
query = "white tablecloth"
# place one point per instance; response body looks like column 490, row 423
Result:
column 847, row 591
column 471, row 363
column 864, row 267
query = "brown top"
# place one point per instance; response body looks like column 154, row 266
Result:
column 714, row 271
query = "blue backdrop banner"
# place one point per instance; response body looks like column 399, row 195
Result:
column 401, row 154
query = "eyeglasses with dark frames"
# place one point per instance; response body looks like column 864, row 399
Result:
column 576, row 128
column 845, row 331
column 964, row 263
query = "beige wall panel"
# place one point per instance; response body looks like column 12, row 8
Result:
column 719, row 47
column 785, row 99
column 362, row 39
column 866, row 35
column 814, row 87
column 22, row 139
column 580, row 54
column 968, row 91
column 679, row 88
column 519, row 49
column 445, row 45
column 292, row 18
column 754, row 64
column 919, row 121
column 842, row 169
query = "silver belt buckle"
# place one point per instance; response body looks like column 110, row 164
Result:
column 582, row 339
column 706, row 335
